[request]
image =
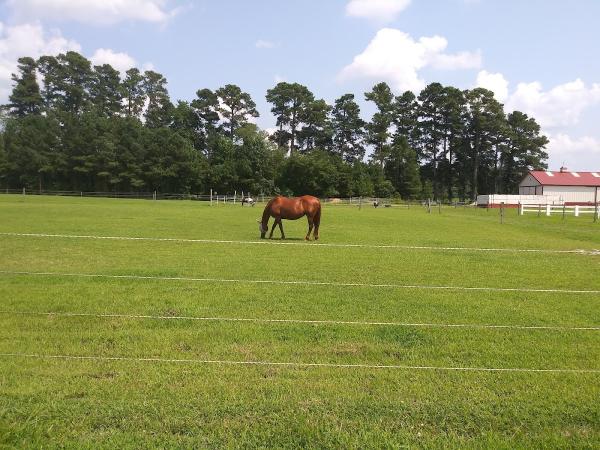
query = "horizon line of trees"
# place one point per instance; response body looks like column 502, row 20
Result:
column 73, row 126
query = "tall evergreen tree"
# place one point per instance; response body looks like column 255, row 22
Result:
column 106, row 93
column 235, row 107
column 484, row 120
column 431, row 131
column 317, row 131
column 348, row 129
column 50, row 70
column 75, row 73
column 405, row 117
column 133, row 92
column 378, row 131
column 290, row 102
column 25, row 97
column 206, row 107
column 524, row 150
column 159, row 109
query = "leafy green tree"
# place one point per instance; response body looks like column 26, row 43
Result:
column 186, row 122
column 25, row 97
column 133, row 92
column 402, row 170
column 29, row 143
column 235, row 107
column 378, row 130
column 172, row 164
column 314, row 173
column 348, row 129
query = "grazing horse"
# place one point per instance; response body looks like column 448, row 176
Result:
column 291, row 209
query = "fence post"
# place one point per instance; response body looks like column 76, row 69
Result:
column 211, row 197
column 429, row 205
column 548, row 209
column 234, row 196
column 360, row 203
column 501, row 212
column 564, row 208
column 439, row 206
column 596, row 205
column 23, row 191
column 576, row 210
column 539, row 209
column 520, row 208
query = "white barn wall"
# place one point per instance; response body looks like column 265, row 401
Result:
column 572, row 194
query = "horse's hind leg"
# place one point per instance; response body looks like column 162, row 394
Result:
column 310, row 227
column 317, row 221
column 281, row 228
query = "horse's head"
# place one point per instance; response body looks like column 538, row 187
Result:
column 262, row 230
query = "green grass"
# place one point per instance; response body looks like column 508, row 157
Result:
column 102, row 403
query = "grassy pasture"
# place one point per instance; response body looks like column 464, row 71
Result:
column 133, row 403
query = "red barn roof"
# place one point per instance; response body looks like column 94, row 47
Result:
column 566, row 178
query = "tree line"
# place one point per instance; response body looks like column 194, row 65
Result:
column 70, row 125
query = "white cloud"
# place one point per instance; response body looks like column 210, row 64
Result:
column 99, row 12
column 579, row 154
column 120, row 61
column 560, row 106
column 261, row 43
column 27, row 40
column 379, row 10
column 395, row 57
column 494, row 82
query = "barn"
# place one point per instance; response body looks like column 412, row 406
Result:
column 564, row 186
column 544, row 187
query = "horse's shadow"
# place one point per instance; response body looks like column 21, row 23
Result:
column 287, row 239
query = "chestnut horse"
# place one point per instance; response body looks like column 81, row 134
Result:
column 292, row 209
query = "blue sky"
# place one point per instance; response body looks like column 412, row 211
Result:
column 538, row 56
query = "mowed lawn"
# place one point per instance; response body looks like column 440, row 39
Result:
column 137, row 343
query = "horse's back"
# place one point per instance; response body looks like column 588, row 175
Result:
column 294, row 208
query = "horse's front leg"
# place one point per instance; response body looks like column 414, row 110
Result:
column 273, row 228
column 281, row 229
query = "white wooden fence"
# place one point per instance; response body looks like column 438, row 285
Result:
column 548, row 210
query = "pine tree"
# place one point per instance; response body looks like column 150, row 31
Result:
column 25, row 97
column 235, row 107
column 133, row 92
column 348, row 129
column 378, row 130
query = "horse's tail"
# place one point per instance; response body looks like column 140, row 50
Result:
column 317, row 219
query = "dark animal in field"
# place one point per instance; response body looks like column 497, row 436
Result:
column 291, row 209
